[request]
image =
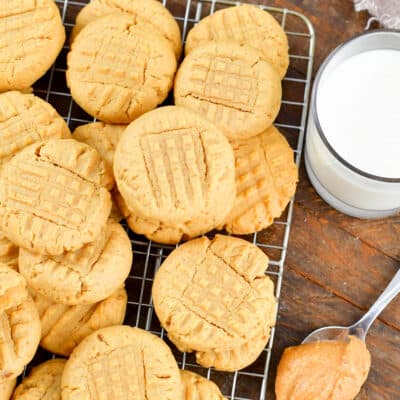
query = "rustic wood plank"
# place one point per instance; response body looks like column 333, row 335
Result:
column 340, row 262
column 334, row 20
column 337, row 265
column 382, row 234
column 306, row 306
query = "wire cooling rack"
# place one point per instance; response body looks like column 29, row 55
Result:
column 250, row 383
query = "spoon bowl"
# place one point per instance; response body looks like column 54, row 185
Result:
column 340, row 333
column 337, row 333
column 360, row 328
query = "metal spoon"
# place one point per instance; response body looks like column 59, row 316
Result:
column 360, row 328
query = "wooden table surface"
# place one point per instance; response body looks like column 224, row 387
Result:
column 337, row 266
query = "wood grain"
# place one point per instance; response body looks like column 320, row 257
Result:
column 337, row 265
column 306, row 306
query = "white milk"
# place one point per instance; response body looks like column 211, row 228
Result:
column 357, row 105
column 358, row 108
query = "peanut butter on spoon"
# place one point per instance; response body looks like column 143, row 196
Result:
column 333, row 362
column 327, row 370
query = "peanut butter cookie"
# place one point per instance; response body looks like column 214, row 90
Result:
column 247, row 25
column 232, row 86
column 44, row 382
column 32, row 34
column 239, row 357
column 149, row 11
column 19, row 324
column 195, row 387
column 266, row 178
column 122, row 363
column 103, row 137
column 26, row 119
column 119, row 68
column 8, row 253
column 213, row 294
column 175, row 173
column 153, row 230
column 85, row 276
column 64, row 327
column 53, row 196
column 7, row 388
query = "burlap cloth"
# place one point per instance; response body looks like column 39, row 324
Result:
column 387, row 12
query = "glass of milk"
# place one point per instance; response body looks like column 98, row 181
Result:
column 353, row 133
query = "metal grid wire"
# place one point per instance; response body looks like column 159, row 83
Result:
column 250, row 383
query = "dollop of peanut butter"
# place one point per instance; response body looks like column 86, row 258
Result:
column 328, row 370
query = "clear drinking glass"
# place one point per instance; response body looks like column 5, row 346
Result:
column 342, row 185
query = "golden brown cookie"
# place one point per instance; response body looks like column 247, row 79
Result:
column 32, row 34
column 247, row 25
column 85, row 276
column 230, row 85
column 7, row 388
column 103, row 137
column 119, row 68
column 64, row 327
column 26, row 119
column 122, row 363
column 239, row 357
column 175, row 172
column 148, row 11
column 53, row 196
column 323, row 370
column 116, row 213
column 195, row 387
column 8, row 253
column 19, row 324
column 266, row 178
column 43, row 382
column 153, row 230
column 213, row 294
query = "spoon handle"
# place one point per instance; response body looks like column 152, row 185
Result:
column 363, row 325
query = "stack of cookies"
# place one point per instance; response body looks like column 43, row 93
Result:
column 211, row 161
column 213, row 298
column 172, row 184
column 116, row 363
column 235, row 60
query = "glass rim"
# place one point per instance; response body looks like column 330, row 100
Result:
column 314, row 113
